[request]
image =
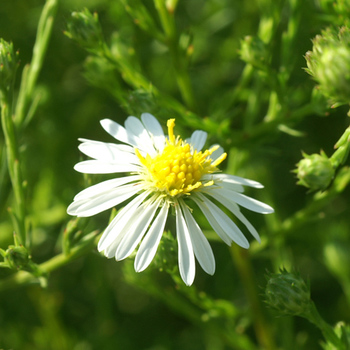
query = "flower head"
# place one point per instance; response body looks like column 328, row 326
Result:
column 328, row 64
column 288, row 294
column 315, row 171
column 164, row 171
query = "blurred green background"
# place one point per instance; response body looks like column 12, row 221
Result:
column 95, row 303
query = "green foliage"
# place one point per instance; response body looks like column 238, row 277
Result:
column 234, row 69
column 8, row 65
column 328, row 63
column 85, row 29
column 315, row 171
column 288, row 294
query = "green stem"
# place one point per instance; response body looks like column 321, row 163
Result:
column 4, row 179
column 31, row 72
column 166, row 19
column 327, row 331
column 274, row 107
column 321, row 199
column 340, row 156
column 13, row 165
column 184, row 84
column 11, row 125
column 166, row 16
column 271, row 126
column 262, row 328
column 184, row 301
column 23, row 277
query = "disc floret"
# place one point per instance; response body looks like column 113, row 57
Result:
column 179, row 168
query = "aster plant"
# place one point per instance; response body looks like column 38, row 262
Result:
column 227, row 72
column 164, row 172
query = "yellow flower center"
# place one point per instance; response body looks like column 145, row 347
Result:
column 178, row 169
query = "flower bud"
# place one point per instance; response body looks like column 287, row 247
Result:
column 253, row 50
column 329, row 64
column 315, row 171
column 288, row 294
column 17, row 257
column 85, row 28
column 8, row 64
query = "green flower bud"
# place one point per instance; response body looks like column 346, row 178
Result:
column 329, row 64
column 315, row 171
column 17, row 257
column 8, row 64
column 85, row 29
column 288, row 294
column 254, row 51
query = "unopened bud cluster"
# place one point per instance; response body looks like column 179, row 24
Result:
column 288, row 294
column 329, row 64
column 8, row 64
column 16, row 257
column 315, row 171
column 254, row 51
column 85, row 29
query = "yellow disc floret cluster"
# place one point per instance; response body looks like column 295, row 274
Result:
column 179, row 169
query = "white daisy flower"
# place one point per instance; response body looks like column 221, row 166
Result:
column 163, row 172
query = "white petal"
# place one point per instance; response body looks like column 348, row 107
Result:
column 231, row 229
column 120, row 147
column 186, row 256
column 247, row 202
column 155, row 130
column 234, row 208
column 134, row 126
column 247, row 224
column 137, row 230
column 118, row 132
column 235, row 180
column 201, row 246
column 212, row 220
column 97, row 204
column 151, row 241
column 222, row 223
column 227, row 187
column 108, row 152
column 124, row 217
column 110, row 251
column 198, row 139
column 99, row 167
column 104, row 186
column 122, row 232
